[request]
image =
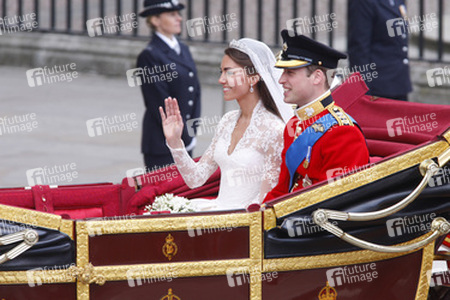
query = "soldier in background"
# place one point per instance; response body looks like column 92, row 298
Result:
column 168, row 71
column 378, row 33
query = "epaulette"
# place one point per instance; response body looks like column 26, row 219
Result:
column 340, row 116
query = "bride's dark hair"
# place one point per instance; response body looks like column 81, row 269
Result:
column 243, row 60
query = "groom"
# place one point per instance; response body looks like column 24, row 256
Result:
column 321, row 138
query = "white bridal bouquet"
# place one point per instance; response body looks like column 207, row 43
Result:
column 169, row 202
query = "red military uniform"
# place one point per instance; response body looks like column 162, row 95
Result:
column 341, row 148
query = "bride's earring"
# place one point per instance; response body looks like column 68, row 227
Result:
column 251, row 88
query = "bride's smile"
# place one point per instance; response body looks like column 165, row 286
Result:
column 235, row 82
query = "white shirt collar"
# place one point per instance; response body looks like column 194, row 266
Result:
column 172, row 43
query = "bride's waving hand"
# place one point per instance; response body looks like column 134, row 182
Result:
column 172, row 123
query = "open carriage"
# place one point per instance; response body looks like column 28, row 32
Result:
column 366, row 234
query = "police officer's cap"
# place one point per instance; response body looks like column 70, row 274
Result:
column 154, row 7
column 300, row 51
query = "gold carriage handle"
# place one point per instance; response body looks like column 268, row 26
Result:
column 439, row 227
column 444, row 158
column 29, row 237
column 428, row 169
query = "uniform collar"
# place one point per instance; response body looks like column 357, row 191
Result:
column 315, row 107
column 172, row 43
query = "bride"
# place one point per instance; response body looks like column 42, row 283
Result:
column 248, row 142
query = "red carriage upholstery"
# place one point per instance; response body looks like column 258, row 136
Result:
column 387, row 123
column 107, row 199
column 74, row 202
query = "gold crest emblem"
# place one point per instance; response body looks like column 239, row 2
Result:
column 170, row 249
column 170, row 296
column 327, row 293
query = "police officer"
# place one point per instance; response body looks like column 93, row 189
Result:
column 321, row 140
column 378, row 33
column 167, row 70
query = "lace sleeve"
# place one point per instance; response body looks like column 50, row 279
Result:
column 272, row 146
column 195, row 174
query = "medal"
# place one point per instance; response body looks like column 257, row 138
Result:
column 308, row 157
column 298, row 131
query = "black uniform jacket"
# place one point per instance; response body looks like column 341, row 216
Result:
column 167, row 74
column 377, row 35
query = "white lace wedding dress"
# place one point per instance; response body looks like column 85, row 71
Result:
column 249, row 172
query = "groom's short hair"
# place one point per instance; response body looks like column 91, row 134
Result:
column 312, row 68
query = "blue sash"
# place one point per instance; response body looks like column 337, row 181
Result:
column 302, row 147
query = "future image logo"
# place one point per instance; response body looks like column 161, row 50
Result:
column 395, row 127
column 409, row 225
column 18, row 123
column 142, row 176
column 242, row 276
column 52, row 175
column 412, row 25
column 440, row 178
column 438, row 76
column 201, row 126
column 411, row 124
column 243, row 176
column 195, row 27
column 15, row 24
column 132, row 173
column 35, row 77
column 153, row 74
column 111, row 124
column 48, row 75
column 439, row 277
column 333, row 175
column 38, row 276
column 352, row 274
column 197, row 229
column 396, row 27
column 94, row 27
column 111, row 25
column 150, row 274
column 98, row 227
column 200, row 26
column 307, row 25
column 134, row 77
column 367, row 72
column 302, row 226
